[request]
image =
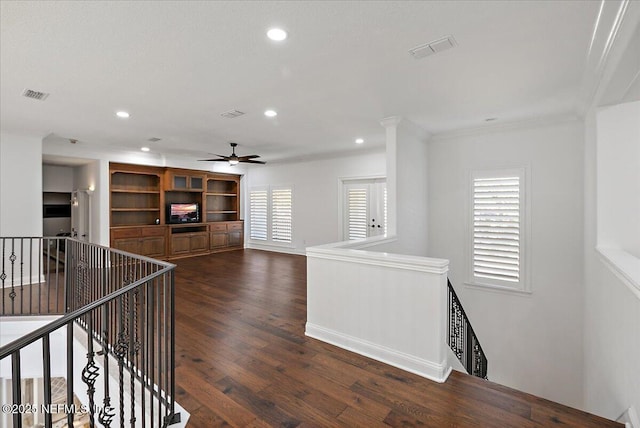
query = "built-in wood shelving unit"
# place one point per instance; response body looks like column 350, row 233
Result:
column 140, row 196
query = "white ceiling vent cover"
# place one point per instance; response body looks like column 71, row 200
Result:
column 433, row 47
column 36, row 95
column 231, row 114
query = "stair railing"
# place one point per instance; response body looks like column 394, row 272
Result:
column 463, row 340
column 120, row 304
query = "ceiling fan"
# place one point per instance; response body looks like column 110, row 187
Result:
column 234, row 159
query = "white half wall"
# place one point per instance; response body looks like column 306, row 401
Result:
column 533, row 341
column 389, row 307
column 316, row 194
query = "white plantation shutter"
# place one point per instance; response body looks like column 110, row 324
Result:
column 281, row 215
column 258, row 214
column 497, row 229
column 357, row 205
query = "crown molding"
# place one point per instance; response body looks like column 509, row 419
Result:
column 508, row 126
column 391, row 121
column 612, row 29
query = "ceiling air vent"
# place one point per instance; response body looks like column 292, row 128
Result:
column 433, row 47
column 231, row 114
column 36, row 95
column 154, row 139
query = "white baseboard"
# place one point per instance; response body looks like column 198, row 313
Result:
column 438, row 372
column 630, row 418
column 26, row 280
column 275, row 248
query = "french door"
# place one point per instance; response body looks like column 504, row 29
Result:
column 364, row 208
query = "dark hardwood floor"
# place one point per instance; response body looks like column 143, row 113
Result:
column 242, row 360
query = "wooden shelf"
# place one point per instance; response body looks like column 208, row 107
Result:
column 134, row 209
column 151, row 192
column 139, row 199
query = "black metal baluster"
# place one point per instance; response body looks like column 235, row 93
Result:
column 22, row 299
column 3, row 276
column 16, row 387
column 70, row 398
column 121, row 351
column 463, row 340
column 160, row 348
column 40, row 242
column 106, row 415
column 172, row 388
column 90, row 372
column 31, row 275
column 12, row 259
column 46, row 363
column 152, row 345
column 132, row 354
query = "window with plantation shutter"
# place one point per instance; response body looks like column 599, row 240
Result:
column 497, row 230
column 281, row 215
column 258, row 214
column 357, row 204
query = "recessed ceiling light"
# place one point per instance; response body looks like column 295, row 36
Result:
column 145, row 149
column 277, row 34
column 359, row 141
column 270, row 113
column 123, row 114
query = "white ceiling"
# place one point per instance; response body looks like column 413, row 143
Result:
column 175, row 66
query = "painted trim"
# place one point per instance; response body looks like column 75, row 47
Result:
column 604, row 36
column 275, row 248
column 630, row 418
column 351, row 251
column 438, row 372
column 534, row 122
column 624, row 265
column 26, row 280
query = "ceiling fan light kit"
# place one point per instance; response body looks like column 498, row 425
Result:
column 234, row 159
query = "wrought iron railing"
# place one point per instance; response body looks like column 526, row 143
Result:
column 463, row 340
column 117, row 310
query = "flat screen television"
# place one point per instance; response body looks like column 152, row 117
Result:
column 184, row 213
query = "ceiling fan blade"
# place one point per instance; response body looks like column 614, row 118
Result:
column 214, row 160
column 253, row 161
column 248, row 157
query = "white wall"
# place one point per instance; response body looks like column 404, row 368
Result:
column 95, row 175
column 411, row 181
column 533, row 341
column 316, row 194
column 56, row 178
column 20, row 185
column 618, row 172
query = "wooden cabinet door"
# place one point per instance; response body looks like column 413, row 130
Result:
column 199, row 242
column 181, row 243
column 130, row 245
column 152, row 246
column 196, row 182
column 217, row 240
column 235, row 238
